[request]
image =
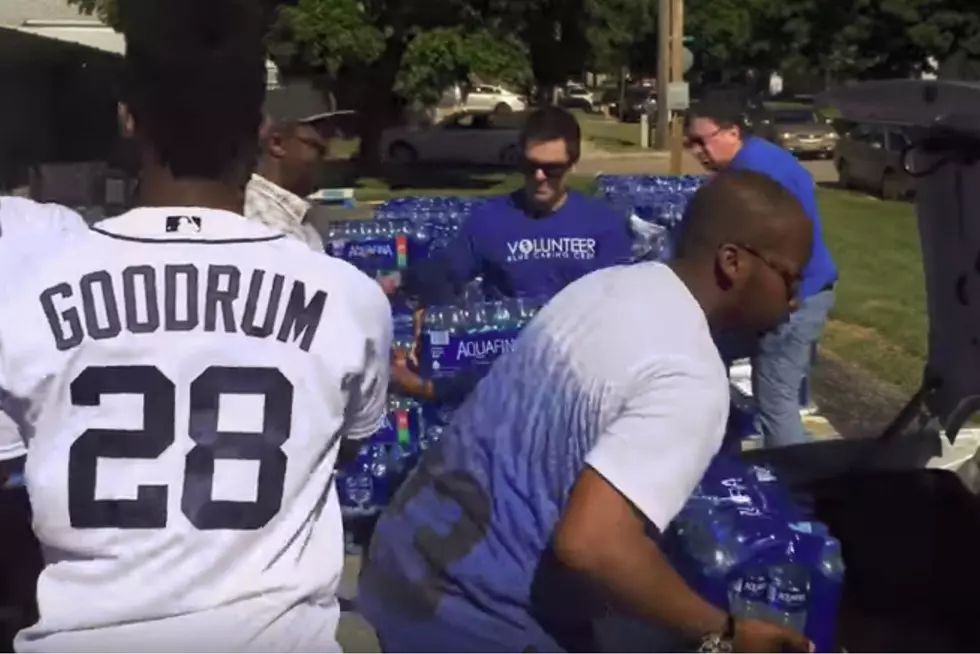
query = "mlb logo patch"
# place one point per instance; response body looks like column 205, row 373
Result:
column 183, row 224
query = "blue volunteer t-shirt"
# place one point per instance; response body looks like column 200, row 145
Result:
column 522, row 255
column 770, row 159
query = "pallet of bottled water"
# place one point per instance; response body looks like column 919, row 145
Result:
column 660, row 199
column 655, row 206
column 747, row 547
column 439, row 217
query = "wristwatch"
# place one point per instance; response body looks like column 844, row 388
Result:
column 720, row 642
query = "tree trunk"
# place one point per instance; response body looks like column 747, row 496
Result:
column 377, row 106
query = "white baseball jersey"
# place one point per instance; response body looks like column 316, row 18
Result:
column 182, row 379
column 29, row 232
column 30, row 229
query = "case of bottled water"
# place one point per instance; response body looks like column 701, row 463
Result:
column 456, row 338
column 366, row 485
column 378, row 246
column 746, row 546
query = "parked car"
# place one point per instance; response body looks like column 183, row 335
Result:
column 575, row 96
column 493, row 98
column 639, row 100
column 869, row 157
column 802, row 131
column 471, row 137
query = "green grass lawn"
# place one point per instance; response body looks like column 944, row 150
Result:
column 879, row 322
column 609, row 133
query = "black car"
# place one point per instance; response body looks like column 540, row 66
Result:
column 639, row 101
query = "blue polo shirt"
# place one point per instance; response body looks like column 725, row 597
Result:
column 519, row 254
column 770, row 159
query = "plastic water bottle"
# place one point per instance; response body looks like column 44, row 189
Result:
column 709, row 539
column 430, row 436
column 789, row 594
column 831, row 561
column 748, row 594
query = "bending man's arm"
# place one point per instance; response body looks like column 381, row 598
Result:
column 644, row 467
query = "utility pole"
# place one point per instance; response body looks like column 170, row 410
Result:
column 664, row 11
column 677, row 75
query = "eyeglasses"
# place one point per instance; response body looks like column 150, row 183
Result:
column 317, row 146
column 701, row 141
column 791, row 279
column 550, row 170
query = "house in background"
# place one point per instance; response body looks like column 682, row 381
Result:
column 57, row 81
column 57, row 92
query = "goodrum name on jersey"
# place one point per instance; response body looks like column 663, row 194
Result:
column 170, row 299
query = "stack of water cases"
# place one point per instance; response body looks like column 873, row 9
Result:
column 379, row 248
column 655, row 205
column 438, row 217
column 368, row 483
column 458, row 340
column 746, row 547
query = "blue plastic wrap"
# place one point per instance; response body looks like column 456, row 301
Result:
column 747, row 547
column 655, row 205
column 366, row 485
column 439, row 217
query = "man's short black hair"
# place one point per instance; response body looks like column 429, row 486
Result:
column 194, row 81
column 740, row 207
column 553, row 124
column 724, row 114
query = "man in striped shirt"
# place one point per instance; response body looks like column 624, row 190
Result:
column 293, row 147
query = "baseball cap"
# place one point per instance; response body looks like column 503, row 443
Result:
column 296, row 102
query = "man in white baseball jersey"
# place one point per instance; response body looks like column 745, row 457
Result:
column 183, row 377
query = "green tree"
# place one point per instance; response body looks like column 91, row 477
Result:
column 384, row 53
column 370, row 52
column 621, row 34
column 870, row 39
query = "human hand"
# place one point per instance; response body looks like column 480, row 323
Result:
column 759, row 636
column 390, row 283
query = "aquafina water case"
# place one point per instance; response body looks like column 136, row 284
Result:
column 378, row 247
column 457, row 338
column 367, row 484
column 745, row 546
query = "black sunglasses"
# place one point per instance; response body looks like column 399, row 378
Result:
column 551, row 170
column 791, row 279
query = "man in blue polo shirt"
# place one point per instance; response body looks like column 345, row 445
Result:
column 782, row 359
column 533, row 242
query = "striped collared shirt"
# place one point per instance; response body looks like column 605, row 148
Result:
column 275, row 207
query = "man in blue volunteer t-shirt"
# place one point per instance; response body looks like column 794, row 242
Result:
column 782, row 359
column 535, row 241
